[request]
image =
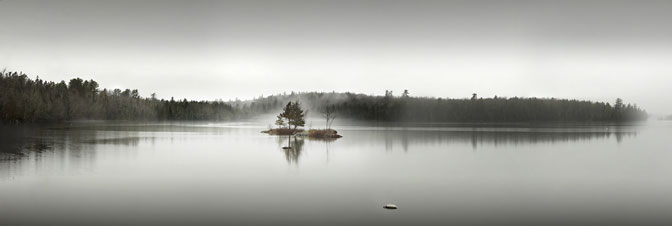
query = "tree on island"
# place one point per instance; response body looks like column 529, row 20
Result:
column 294, row 115
column 329, row 113
column 280, row 122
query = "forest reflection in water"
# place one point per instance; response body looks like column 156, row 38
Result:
column 18, row 142
column 78, row 144
column 495, row 138
column 406, row 138
column 225, row 172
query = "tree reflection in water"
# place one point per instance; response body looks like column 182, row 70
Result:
column 295, row 148
column 293, row 151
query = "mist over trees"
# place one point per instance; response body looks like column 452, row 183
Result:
column 429, row 109
column 26, row 100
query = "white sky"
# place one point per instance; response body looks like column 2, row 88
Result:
column 594, row 50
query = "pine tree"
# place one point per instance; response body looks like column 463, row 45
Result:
column 294, row 114
column 280, row 122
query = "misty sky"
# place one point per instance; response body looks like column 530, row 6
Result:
column 595, row 50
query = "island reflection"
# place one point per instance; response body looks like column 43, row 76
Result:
column 79, row 144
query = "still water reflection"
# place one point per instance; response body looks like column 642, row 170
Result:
column 204, row 173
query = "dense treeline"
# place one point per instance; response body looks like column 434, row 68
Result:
column 25, row 100
column 474, row 109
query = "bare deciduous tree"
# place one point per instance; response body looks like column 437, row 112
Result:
column 329, row 113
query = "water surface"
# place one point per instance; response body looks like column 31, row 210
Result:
column 229, row 173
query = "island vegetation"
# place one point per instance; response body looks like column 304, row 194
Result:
column 34, row 100
column 288, row 121
column 293, row 116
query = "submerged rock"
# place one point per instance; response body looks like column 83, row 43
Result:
column 390, row 207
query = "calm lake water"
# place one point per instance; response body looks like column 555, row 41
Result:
column 231, row 174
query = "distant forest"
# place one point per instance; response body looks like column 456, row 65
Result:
column 429, row 109
column 26, row 100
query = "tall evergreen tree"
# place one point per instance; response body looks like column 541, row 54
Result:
column 294, row 114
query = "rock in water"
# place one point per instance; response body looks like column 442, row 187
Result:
column 390, row 206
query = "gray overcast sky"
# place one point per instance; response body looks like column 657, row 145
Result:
column 595, row 50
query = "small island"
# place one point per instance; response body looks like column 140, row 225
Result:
column 293, row 116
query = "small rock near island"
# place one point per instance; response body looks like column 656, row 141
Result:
column 390, row 206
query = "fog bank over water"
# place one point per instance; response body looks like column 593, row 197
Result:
column 595, row 50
